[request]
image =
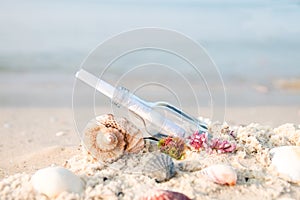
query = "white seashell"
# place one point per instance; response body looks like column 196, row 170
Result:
column 52, row 181
column 286, row 161
column 108, row 138
column 221, row 174
column 158, row 166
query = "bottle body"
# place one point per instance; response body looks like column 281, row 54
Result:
column 159, row 117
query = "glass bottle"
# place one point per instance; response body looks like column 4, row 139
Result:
column 158, row 117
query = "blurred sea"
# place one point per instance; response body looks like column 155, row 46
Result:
column 255, row 44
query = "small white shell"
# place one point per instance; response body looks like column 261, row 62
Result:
column 286, row 161
column 221, row 174
column 158, row 166
column 52, row 181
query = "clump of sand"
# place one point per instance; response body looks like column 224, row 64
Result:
column 256, row 179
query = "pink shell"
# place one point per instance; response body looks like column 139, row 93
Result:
column 164, row 195
column 221, row 174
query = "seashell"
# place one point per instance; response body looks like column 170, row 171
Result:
column 221, row 174
column 158, row 166
column 286, row 161
column 52, row 181
column 189, row 166
column 108, row 137
column 164, row 195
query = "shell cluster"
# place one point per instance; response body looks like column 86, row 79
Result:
column 108, row 137
column 220, row 174
column 164, row 195
column 52, row 181
column 286, row 161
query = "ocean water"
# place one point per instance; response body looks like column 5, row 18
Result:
column 241, row 36
column 252, row 42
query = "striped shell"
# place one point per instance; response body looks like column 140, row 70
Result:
column 108, row 137
column 158, row 166
column 164, row 195
column 220, row 174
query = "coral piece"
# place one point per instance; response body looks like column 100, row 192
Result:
column 222, row 146
column 173, row 146
column 199, row 140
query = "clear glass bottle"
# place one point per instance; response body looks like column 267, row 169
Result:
column 158, row 117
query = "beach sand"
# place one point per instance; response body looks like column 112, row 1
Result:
column 34, row 138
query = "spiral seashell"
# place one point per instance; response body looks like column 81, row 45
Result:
column 286, row 161
column 133, row 136
column 108, row 137
column 220, row 174
column 164, row 195
column 158, row 166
